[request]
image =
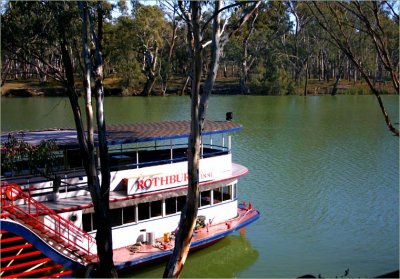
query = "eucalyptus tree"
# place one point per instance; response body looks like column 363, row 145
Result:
column 258, row 50
column 222, row 31
column 33, row 30
column 121, row 53
column 269, row 69
column 29, row 38
column 302, row 44
column 150, row 25
column 99, row 190
column 345, row 21
column 171, row 11
column 135, row 42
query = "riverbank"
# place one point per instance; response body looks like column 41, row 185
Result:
column 224, row 86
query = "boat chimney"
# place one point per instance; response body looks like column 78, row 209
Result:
column 229, row 116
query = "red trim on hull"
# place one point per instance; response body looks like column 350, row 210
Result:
column 17, row 247
column 25, row 260
column 35, row 271
column 20, row 256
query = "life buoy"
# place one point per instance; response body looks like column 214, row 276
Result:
column 12, row 192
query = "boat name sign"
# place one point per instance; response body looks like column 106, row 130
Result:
column 139, row 185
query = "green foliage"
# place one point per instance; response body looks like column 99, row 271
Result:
column 127, row 39
column 14, row 150
column 121, row 52
column 271, row 79
column 18, row 155
column 277, row 55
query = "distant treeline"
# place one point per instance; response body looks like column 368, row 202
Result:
column 287, row 47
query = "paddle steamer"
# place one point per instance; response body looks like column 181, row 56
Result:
column 49, row 230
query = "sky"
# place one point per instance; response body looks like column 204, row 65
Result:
column 116, row 13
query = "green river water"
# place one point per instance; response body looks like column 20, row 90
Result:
column 324, row 173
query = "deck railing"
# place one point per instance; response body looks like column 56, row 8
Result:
column 44, row 219
column 134, row 157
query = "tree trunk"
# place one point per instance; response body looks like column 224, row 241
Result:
column 306, row 79
column 148, row 87
column 185, row 85
column 189, row 212
column 334, row 88
column 99, row 192
column 343, row 44
column 5, row 70
column 107, row 268
column 198, row 109
column 245, row 67
column 170, row 53
column 151, row 56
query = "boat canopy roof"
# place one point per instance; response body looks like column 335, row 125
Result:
column 126, row 133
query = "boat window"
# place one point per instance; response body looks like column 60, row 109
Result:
column 205, row 198
column 181, row 200
column 234, row 191
column 129, row 214
column 170, row 206
column 156, row 208
column 217, row 195
column 143, row 211
column 226, row 193
column 116, row 217
column 87, row 222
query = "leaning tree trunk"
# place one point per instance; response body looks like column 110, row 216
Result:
column 245, row 65
column 150, row 69
column 107, row 268
column 170, row 53
column 306, row 79
column 97, row 189
column 198, row 110
column 219, row 38
column 189, row 213
column 184, row 86
column 344, row 46
column 148, row 87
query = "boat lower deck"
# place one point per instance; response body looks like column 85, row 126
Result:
column 143, row 253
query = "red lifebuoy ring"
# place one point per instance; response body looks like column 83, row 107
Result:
column 12, row 192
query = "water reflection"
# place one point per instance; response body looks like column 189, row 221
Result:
column 225, row 259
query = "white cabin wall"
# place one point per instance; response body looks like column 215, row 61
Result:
column 219, row 165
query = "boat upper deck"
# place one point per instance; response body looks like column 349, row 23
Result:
column 126, row 133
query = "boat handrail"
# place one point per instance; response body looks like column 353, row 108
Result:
column 208, row 151
column 63, row 229
column 114, row 148
column 161, row 162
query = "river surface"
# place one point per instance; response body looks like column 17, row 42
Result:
column 324, row 173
